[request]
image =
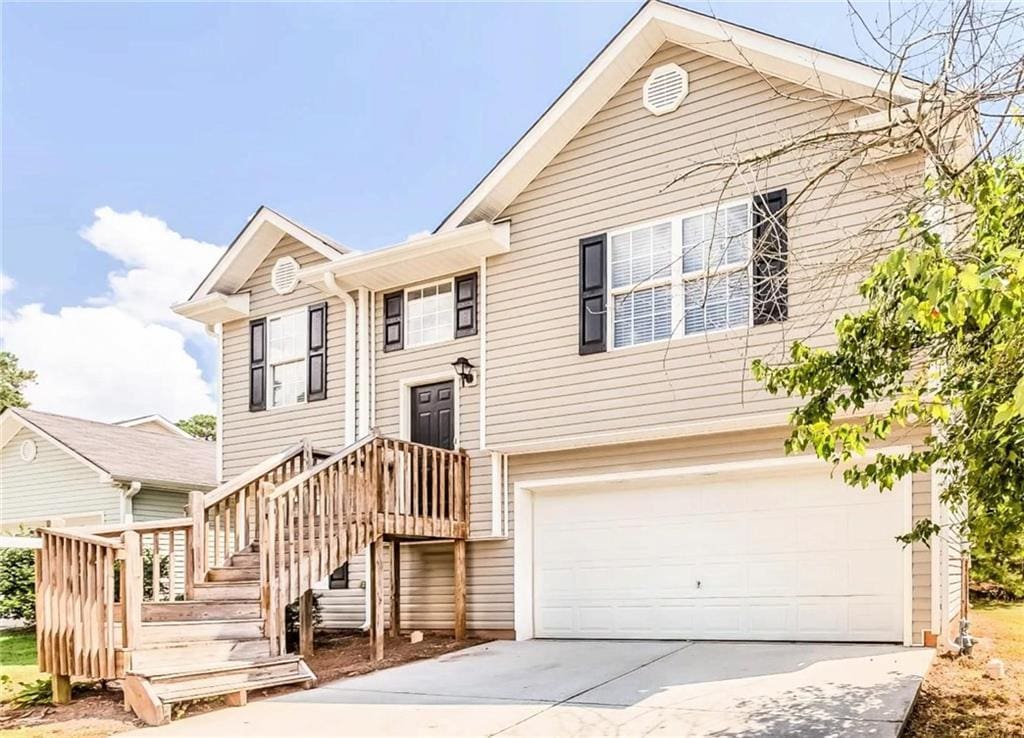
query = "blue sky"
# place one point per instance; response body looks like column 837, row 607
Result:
column 366, row 122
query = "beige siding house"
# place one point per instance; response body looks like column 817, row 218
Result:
column 61, row 471
column 582, row 327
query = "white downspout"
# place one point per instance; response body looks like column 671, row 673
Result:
column 217, row 331
column 332, row 286
column 364, row 362
column 335, row 289
column 127, row 495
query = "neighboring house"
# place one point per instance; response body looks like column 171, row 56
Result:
column 61, row 471
column 628, row 478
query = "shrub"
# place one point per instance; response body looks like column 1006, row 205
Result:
column 18, row 584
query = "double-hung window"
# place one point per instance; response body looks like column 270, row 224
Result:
column 686, row 275
column 430, row 314
column 641, row 284
column 286, row 351
column 716, row 269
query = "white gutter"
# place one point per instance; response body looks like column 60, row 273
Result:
column 127, row 495
column 332, row 286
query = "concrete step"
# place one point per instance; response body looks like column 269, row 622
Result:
column 219, row 591
column 166, row 657
column 200, row 610
column 201, row 630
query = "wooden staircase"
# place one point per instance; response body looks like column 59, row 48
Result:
column 211, row 645
column 193, row 607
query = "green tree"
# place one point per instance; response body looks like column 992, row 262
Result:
column 201, row 425
column 12, row 381
column 18, row 583
column 939, row 346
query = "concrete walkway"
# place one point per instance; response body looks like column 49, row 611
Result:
column 586, row 688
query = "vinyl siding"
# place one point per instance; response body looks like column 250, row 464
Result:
column 54, row 484
column 250, row 437
column 615, row 173
column 345, row 608
column 157, row 504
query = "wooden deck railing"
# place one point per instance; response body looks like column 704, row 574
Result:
column 75, row 603
column 91, row 582
column 312, row 524
column 310, row 518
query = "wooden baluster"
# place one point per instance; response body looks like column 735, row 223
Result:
column 131, row 573
column 293, row 589
column 88, row 583
column 76, row 606
column 414, row 491
column 435, row 493
column 241, row 526
column 197, row 543
column 171, row 573
column 41, row 592
column 155, row 566
column 108, row 614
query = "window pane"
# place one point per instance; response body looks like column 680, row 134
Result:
column 288, row 384
column 643, row 316
column 639, row 255
column 739, row 299
column 738, row 228
column 430, row 314
column 286, row 337
column 693, row 244
column 725, row 304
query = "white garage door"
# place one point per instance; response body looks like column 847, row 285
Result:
column 793, row 556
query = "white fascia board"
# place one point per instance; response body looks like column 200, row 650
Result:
column 417, row 260
column 655, row 24
column 215, row 308
column 158, row 419
column 250, row 247
column 11, row 422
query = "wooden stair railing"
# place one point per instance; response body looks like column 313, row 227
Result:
column 319, row 519
column 91, row 582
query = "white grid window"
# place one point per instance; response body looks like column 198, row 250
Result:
column 716, row 269
column 641, row 266
column 691, row 271
column 430, row 314
column 286, row 353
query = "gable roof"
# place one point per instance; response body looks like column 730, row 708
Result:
column 125, row 453
column 654, row 24
column 146, row 422
column 250, row 247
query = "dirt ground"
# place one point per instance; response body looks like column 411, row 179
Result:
column 95, row 712
column 957, row 699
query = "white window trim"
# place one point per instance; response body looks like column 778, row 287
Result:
column 677, row 278
column 271, row 407
column 405, row 313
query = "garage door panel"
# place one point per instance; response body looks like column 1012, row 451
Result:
column 626, row 563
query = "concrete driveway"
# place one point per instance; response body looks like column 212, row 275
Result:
column 577, row 688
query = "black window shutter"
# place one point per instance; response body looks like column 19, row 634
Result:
column 393, row 329
column 593, row 294
column 771, row 244
column 465, row 305
column 316, row 363
column 258, row 365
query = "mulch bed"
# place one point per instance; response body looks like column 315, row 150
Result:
column 338, row 655
column 958, row 700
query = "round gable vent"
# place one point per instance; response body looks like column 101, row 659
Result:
column 28, row 450
column 665, row 89
column 285, row 275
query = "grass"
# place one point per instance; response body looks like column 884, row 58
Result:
column 17, row 660
column 958, row 699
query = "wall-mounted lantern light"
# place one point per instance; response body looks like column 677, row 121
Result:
column 464, row 369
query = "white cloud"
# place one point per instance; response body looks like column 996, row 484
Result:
column 163, row 266
column 124, row 353
column 6, row 284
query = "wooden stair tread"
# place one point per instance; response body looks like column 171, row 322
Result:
column 191, row 693
column 216, row 667
column 191, row 644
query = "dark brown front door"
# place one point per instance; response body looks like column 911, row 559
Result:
column 433, row 415
column 433, row 424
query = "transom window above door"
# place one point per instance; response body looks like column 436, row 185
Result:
column 686, row 275
column 430, row 314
